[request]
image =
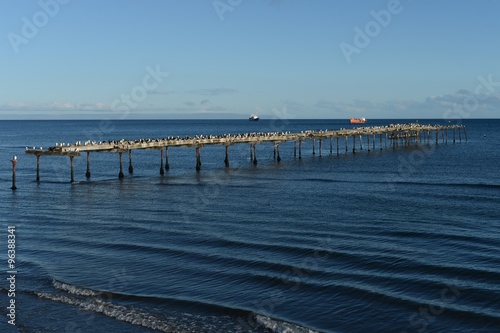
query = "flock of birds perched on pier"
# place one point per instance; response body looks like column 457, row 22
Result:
column 240, row 136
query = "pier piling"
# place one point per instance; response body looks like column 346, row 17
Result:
column 278, row 158
column 300, row 149
column 130, row 166
column 14, row 163
column 320, row 147
column 254, row 154
column 120, row 174
column 87, row 173
column 198, row 159
column 226, row 160
column 162, row 167
column 294, row 148
column 72, row 164
column 38, row 168
column 314, row 146
column 167, row 165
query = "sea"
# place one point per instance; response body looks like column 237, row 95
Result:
column 388, row 239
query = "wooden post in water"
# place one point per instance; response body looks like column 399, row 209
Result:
column 274, row 153
column 198, row 159
column 167, row 165
column 331, row 145
column 361, row 142
column 162, row 169
column 72, row 164
column 294, row 148
column 278, row 150
column 14, row 163
column 374, row 138
column 354, row 144
column 87, row 174
column 346, row 143
column 254, row 154
column 130, row 166
column 226, row 160
column 338, row 152
column 320, row 146
column 38, row 168
column 437, row 136
column 120, row 174
column 368, row 138
column 380, row 141
column 300, row 149
column 251, row 152
column 314, row 146
column 459, row 135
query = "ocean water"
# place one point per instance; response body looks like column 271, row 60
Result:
column 391, row 240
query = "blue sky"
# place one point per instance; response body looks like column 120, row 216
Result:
column 90, row 59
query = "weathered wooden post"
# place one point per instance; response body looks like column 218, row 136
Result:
column 254, row 154
column 354, row 144
column 361, row 141
column 226, row 160
column 87, row 174
column 72, row 163
column 338, row 152
column 120, row 174
column 162, row 168
column 14, row 163
column 374, row 137
column 368, row 141
column 38, row 168
column 300, row 149
column 278, row 158
column 346, row 143
column 251, row 152
column 130, row 166
column 294, row 148
column 314, row 146
column 274, row 154
column 167, row 165
column 437, row 136
column 320, row 147
column 198, row 159
column 331, row 145
column 380, row 141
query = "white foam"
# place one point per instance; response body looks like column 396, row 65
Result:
column 278, row 326
column 74, row 290
column 114, row 311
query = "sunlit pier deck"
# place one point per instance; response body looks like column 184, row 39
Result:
column 395, row 133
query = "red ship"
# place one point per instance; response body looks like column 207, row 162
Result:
column 357, row 120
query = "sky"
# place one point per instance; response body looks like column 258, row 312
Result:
column 213, row 59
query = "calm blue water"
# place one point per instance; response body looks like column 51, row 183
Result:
column 404, row 240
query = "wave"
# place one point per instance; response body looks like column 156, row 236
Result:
column 389, row 181
column 105, row 303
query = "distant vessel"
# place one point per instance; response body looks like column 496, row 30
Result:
column 357, row 120
column 254, row 117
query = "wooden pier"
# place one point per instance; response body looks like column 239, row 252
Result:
column 396, row 134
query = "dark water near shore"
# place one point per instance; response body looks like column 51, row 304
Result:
column 404, row 240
